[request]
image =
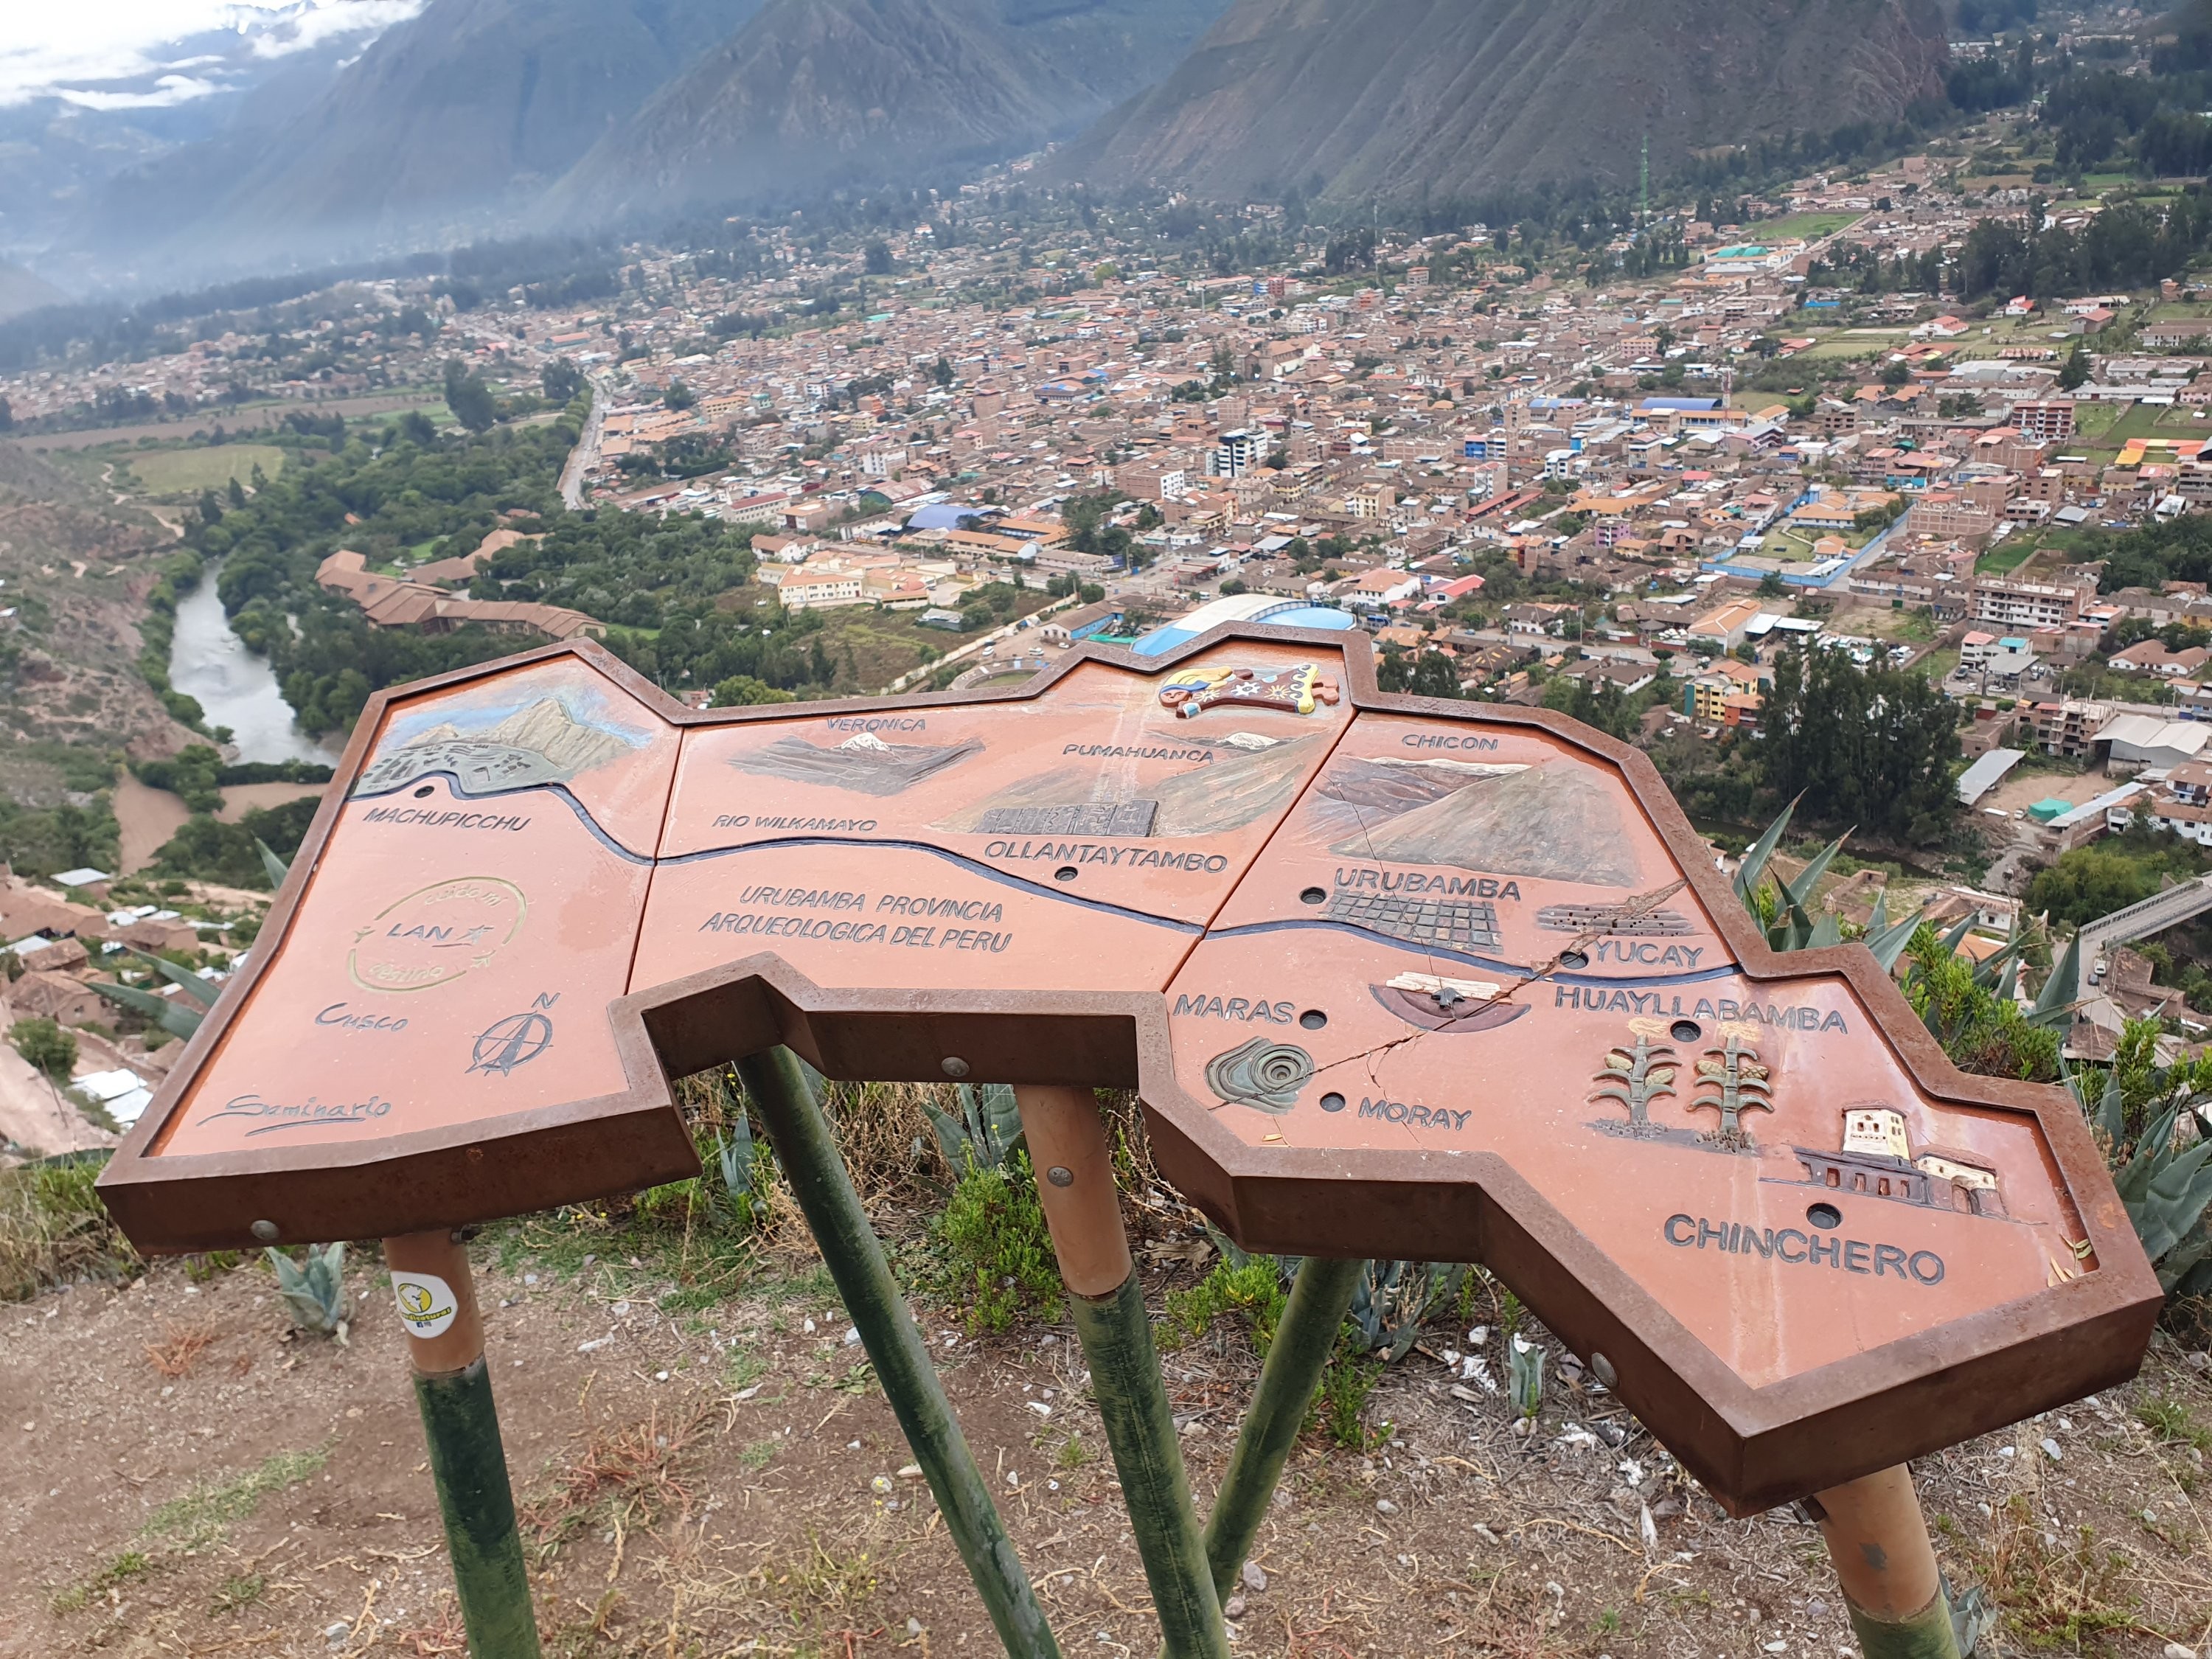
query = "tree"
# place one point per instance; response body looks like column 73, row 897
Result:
column 2087, row 882
column 678, row 396
column 744, row 691
column 1600, row 705
column 563, row 380
column 876, row 257
column 417, row 428
column 2074, row 371
column 7, row 415
column 45, row 1046
column 469, row 398
column 1872, row 748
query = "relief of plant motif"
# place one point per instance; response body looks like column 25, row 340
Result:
column 1636, row 1076
column 1732, row 1082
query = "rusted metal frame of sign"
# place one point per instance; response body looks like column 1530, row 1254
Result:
column 1811, row 1431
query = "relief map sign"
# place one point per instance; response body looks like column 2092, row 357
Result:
column 1394, row 977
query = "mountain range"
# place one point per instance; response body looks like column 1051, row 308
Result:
column 20, row 291
column 1447, row 99
column 449, row 125
column 470, row 119
column 66, row 128
column 822, row 93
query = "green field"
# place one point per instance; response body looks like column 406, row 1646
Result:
column 2091, row 420
column 1810, row 225
column 188, row 471
column 2006, row 558
column 1856, row 342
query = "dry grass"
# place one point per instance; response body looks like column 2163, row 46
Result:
column 53, row 1228
column 443, row 1637
column 179, row 1350
column 623, row 1478
column 817, row 1583
column 2056, row 1590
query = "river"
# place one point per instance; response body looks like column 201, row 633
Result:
column 234, row 687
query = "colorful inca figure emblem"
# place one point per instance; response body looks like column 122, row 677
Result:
column 1299, row 690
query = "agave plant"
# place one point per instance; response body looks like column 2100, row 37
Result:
column 1393, row 1298
column 177, row 1016
column 1779, row 908
column 736, row 1154
column 1524, row 1374
column 988, row 1132
column 315, row 1295
column 2140, row 1110
column 273, row 864
column 182, row 1018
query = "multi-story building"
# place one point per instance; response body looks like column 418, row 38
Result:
column 2018, row 606
column 2045, row 419
column 1946, row 515
column 1370, row 501
column 2069, row 728
column 1236, row 454
column 817, row 589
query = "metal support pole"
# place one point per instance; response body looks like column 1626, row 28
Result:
column 437, row 1299
column 1075, row 1184
column 1879, row 1540
column 808, row 1153
column 1320, row 1297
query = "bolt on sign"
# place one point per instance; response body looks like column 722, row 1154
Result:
column 1394, row 977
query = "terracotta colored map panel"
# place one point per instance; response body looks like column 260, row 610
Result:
column 1394, row 977
column 470, row 915
column 972, row 845
column 1472, row 941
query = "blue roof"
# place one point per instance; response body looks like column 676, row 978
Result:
column 1694, row 406
column 1282, row 613
column 944, row 515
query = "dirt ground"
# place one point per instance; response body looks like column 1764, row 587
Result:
column 239, row 798
column 710, row 1470
column 78, row 568
column 2021, row 788
column 146, row 818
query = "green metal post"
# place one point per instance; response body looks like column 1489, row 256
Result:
column 437, row 1297
column 808, row 1152
column 469, row 1468
column 1931, row 1634
column 1320, row 1297
column 1075, row 1187
column 1133, row 1399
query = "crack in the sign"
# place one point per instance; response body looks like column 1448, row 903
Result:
column 1634, row 910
